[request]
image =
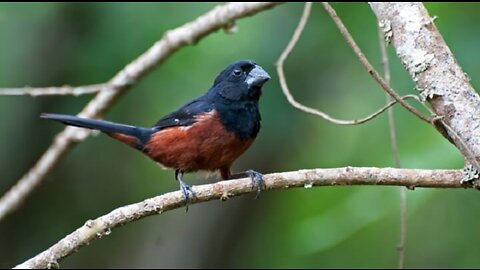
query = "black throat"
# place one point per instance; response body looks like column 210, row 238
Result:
column 240, row 117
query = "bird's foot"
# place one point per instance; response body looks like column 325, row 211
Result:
column 257, row 181
column 186, row 191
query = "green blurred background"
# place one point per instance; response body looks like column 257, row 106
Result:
column 79, row 44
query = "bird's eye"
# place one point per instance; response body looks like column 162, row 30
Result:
column 237, row 72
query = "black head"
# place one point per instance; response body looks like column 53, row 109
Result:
column 242, row 80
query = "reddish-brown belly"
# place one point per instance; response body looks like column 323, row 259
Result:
column 205, row 145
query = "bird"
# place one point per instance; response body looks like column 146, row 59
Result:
column 206, row 134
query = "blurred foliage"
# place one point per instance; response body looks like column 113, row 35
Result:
column 55, row 44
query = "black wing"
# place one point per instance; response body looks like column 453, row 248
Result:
column 185, row 116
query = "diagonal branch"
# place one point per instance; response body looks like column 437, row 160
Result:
column 366, row 64
column 173, row 40
column 95, row 229
column 286, row 91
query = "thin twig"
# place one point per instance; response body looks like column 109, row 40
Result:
column 391, row 118
column 102, row 226
column 172, row 41
column 373, row 115
column 286, row 91
column 395, row 152
column 51, row 91
column 403, row 228
column 371, row 70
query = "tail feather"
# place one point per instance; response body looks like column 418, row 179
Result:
column 125, row 133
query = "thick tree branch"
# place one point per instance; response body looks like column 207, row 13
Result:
column 189, row 33
column 94, row 229
column 436, row 73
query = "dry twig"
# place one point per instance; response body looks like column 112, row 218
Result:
column 286, row 91
column 366, row 64
column 395, row 153
column 51, row 91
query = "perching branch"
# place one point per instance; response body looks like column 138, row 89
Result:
column 94, row 229
column 436, row 73
column 190, row 33
column 51, row 91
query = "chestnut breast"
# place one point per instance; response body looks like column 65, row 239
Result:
column 204, row 145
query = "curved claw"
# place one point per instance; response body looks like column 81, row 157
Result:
column 186, row 190
column 257, row 181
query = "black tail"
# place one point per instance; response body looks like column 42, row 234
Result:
column 132, row 135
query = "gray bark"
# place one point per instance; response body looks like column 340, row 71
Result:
column 437, row 75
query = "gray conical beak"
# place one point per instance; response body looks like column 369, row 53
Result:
column 257, row 77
